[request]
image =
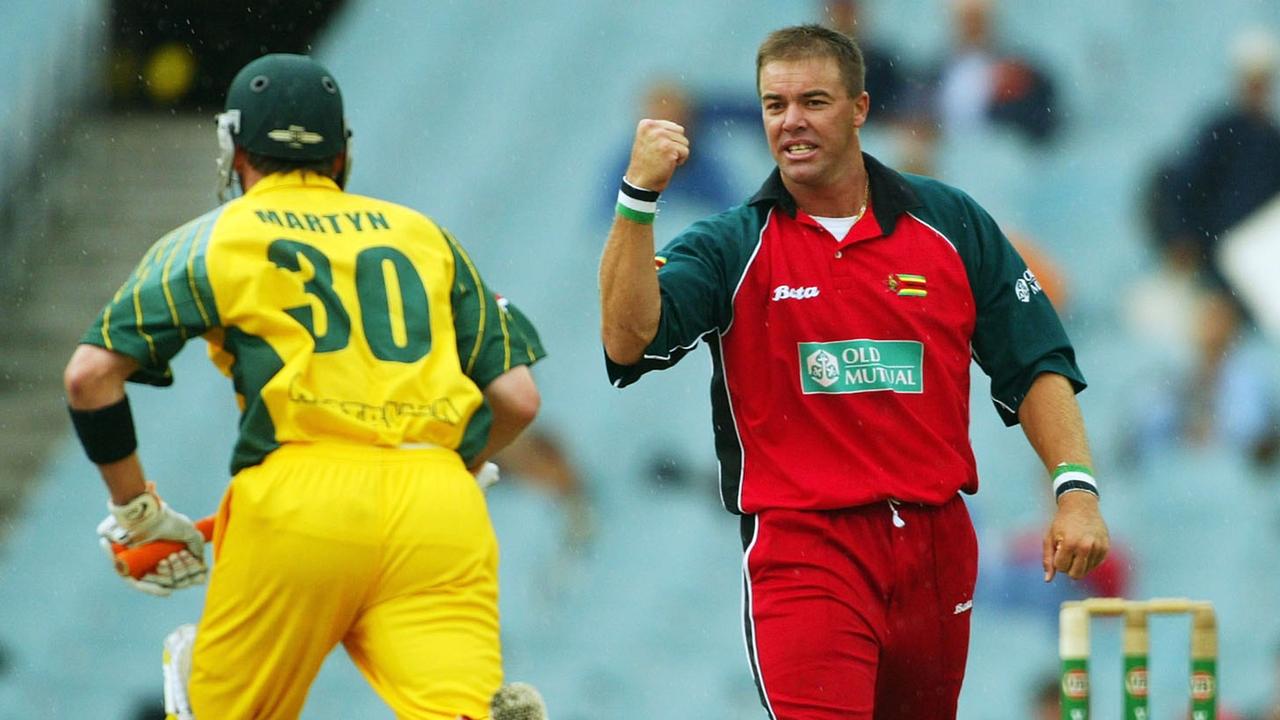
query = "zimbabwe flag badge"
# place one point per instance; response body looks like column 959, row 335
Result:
column 907, row 285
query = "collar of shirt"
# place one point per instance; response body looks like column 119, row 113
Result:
column 294, row 179
column 890, row 197
column 865, row 228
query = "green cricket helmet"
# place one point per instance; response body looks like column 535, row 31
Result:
column 282, row 106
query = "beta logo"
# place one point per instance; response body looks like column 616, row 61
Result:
column 1075, row 685
column 1135, row 682
column 1202, row 686
column 786, row 292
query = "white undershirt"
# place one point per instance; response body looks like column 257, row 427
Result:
column 837, row 226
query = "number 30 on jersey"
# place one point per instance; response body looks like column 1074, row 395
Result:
column 374, row 301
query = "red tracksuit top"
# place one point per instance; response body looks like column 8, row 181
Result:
column 841, row 368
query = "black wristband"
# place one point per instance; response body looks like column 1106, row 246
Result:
column 106, row 432
column 636, row 193
column 1071, row 485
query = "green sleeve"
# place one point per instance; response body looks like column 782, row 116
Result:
column 526, row 345
column 486, row 348
column 1018, row 334
column 166, row 301
column 697, row 272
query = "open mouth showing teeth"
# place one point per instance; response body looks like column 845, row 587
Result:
column 800, row 149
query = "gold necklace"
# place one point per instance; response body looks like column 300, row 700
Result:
column 866, row 198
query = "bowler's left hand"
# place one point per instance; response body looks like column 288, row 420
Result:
column 1077, row 540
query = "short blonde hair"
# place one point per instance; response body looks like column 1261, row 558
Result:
column 801, row 42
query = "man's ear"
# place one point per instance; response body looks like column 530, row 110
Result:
column 240, row 161
column 862, row 105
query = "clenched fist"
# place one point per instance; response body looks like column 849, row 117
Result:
column 659, row 148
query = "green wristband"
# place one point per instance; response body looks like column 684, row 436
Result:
column 1069, row 477
column 636, row 216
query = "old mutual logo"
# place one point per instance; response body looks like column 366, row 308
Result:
column 855, row 366
column 823, row 368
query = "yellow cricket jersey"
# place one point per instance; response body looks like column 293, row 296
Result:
column 338, row 317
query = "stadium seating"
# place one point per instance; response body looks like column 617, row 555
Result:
column 51, row 52
column 501, row 127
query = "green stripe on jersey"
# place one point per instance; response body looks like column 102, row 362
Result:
column 526, row 345
column 164, row 302
column 476, row 434
column 198, row 276
column 484, row 344
column 470, row 309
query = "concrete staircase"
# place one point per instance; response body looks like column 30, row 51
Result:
column 112, row 187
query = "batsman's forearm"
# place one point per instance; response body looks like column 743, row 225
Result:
column 630, row 302
column 124, row 479
column 94, row 378
column 1052, row 422
column 514, row 400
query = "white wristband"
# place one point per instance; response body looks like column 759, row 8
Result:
column 1072, row 478
column 642, row 206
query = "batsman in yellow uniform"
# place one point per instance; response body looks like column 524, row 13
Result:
column 375, row 372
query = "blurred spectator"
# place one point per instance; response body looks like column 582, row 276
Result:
column 1160, row 306
column 889, row 80
column 1221, row 393
column 669, row 470
column 1233, row 165
column 899, row 93
column 1163, row 198
column 917, row 144
column 978, row 83
column 538, row 456
column 703, row 179
column 1045, row 702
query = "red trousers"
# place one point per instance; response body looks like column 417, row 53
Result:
column 859, row 614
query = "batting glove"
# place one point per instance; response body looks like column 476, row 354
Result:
column 147, row 518
column 179, row 570
column 487, row 475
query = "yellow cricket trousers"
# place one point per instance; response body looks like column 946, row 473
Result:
column 388, row 551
